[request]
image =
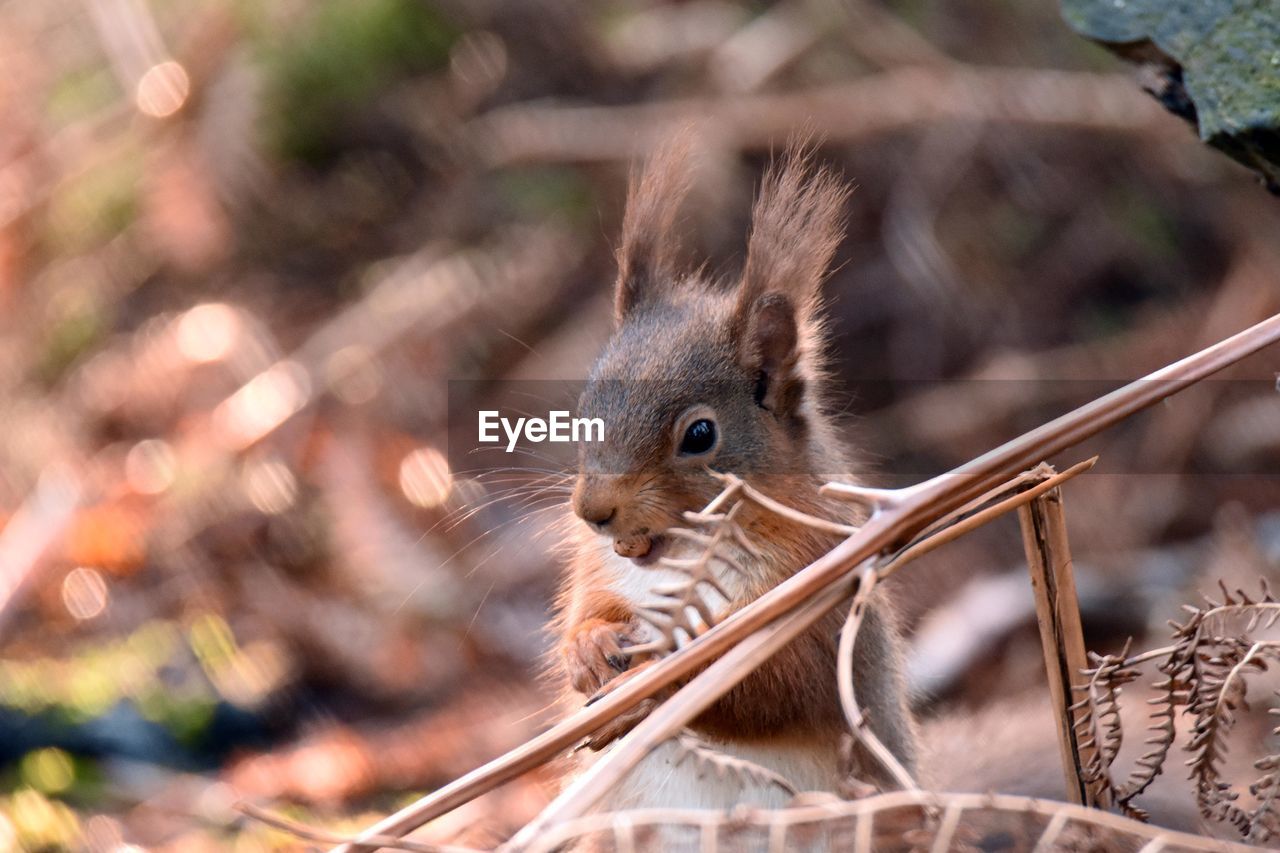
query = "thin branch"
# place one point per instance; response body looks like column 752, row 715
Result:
column 864, row 810
column 875, row 104
column 671, row 716
column 700, row 693
column 947, row 829
column 867, row 576
column 790, row 513
column 920, row 547
column 1051, row 833
column 1044, row 535
column 690, row 746
column 831, row 571
column 310, row 833
column 1150, row 655
column 32, row 531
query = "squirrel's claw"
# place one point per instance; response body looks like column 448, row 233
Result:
column 628, row 720
column 593, row 654
column 620, row 725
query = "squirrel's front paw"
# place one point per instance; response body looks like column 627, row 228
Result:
column 591, row 653
column 627, row 720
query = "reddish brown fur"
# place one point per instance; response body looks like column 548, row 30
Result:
column 797, row 225
column 751, row 355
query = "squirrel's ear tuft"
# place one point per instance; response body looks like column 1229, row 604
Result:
column 649, row 249
column 796, row 225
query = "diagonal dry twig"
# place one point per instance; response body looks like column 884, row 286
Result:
column 700, row 693
column 310, row 833
column 883, row 531
column 32, row 531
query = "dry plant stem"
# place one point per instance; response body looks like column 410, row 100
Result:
column 310, row 833
column 1051, row 833
column 1223, row 691
column 693, row 748
column 878, row 103
column 1044, row 535
column 671, row 716
column 700, row 693
column 867, row 577
column 1153, row 654
column 946, row 829
column 866, row 809
column 1038, row 474
column 920, row 547
column 876, row 500
column 882, row 532
column 758, row 497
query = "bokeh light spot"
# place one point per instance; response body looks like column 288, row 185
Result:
column 163, row 89
column 84, row 593
column 150, row 466
column 49, row 770
column 270, row 486
column 425, row 478
column 208, row 332
column 264, row 402
column 41, row 823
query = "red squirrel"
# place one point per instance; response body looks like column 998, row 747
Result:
column 729, row 376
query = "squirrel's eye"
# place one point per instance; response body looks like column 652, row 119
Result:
column 699, row 438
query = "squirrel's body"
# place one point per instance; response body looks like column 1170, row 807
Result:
column 663, row 779
column 785, row 716
column 701, row 375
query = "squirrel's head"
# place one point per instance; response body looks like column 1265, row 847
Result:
column 702, row 374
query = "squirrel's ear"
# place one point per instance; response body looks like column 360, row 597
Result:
column 796, row 226
column 648, row 252
column 797, row 223
column 769, row 348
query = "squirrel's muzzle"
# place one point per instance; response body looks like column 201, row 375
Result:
column 596, row 499
column 605, row 502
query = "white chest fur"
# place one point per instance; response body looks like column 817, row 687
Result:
column 670, row 778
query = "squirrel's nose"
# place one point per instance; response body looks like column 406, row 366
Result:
column 599, row 515
column 596, row 499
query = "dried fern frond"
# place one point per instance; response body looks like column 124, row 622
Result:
column 1204, row 671
column 1161, row 730
column 744, row 771
column 889, row 764
column 1216, row 653
column 682, row 607
column 1217, row 693
column 885, row 822
column 1097, row 722
column 1265, row 790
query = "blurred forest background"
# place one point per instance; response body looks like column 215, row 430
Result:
column 243, row 247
